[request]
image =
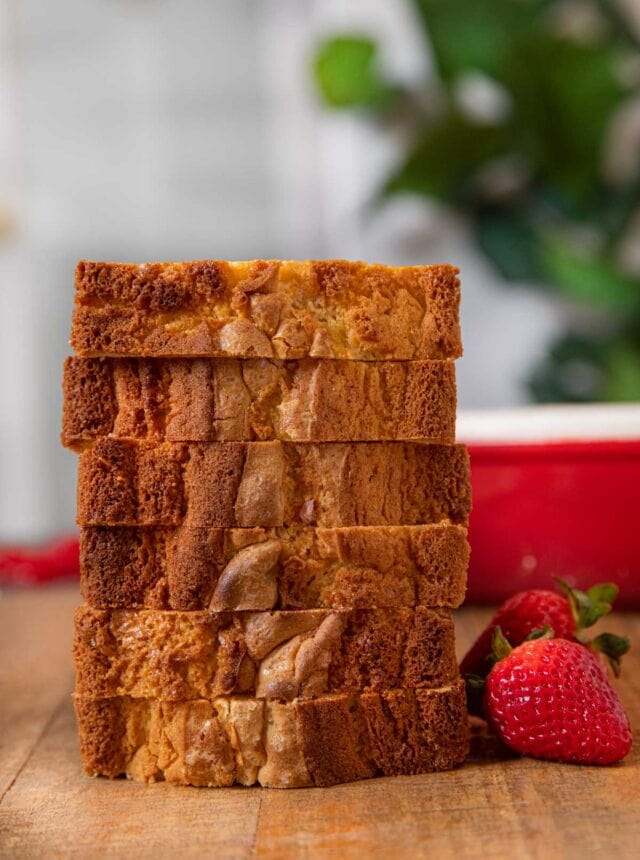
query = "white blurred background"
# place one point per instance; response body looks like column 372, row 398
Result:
column 184, row 129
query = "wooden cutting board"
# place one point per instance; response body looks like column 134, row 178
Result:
column 493, row 807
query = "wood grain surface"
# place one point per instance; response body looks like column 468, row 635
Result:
column 494, row 806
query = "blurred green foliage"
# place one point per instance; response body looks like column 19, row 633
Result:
column 530, row 174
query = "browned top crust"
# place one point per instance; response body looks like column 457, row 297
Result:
column 268, row 309
column 176, row 656
column 230, row 399
column 247, row 484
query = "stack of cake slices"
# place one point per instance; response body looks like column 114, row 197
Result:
column 273, row 513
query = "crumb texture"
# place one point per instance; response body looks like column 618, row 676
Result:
column 365, row 567
column 227, row 740
column 176, row 656
column 273, row 517
column 209, row 400
column 267, row 309
column 271, row 484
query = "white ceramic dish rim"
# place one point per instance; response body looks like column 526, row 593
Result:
column 550, row 423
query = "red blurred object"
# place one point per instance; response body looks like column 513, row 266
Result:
column 556, row 508
column 56, row 560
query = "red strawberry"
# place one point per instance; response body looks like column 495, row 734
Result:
column 552, row 699
column 518, row 616
column 566, row 614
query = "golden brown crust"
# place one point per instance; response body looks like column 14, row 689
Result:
column 206, row 400
column 177, row 656
column 296, row 568
column 247, row 484
column 323, row 742
column 268, row 309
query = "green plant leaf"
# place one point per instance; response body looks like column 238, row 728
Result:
column 565, row 94
column 468, row 35
column 573, row 371
column 564, row 91
column 622, row 367
column 618, row 210
column 446, row 160
column 589, row 279
column 616, row 17
column 509, row 241
column 580, row 369
column 348, row 75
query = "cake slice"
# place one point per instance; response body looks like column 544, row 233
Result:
column 228, row 399
column 247, row 484
column 287, row 568
column 324, row 741
column 267, row 309
column 177, row 656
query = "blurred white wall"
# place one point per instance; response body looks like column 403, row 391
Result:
column 168, row 129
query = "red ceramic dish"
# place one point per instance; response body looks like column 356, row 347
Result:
column 556, row 493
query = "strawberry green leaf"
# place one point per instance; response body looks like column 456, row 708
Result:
column 474, row 688
column 588, row 607
column 545, row 632
column 613, row 647
column 499, row 644
column 592, row 613
column 604, row 592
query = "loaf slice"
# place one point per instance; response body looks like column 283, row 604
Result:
column 176, row 656
column 246, row 484
column 296, row 568
column 267, row 309
column 228, row 399
column 324, row 741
